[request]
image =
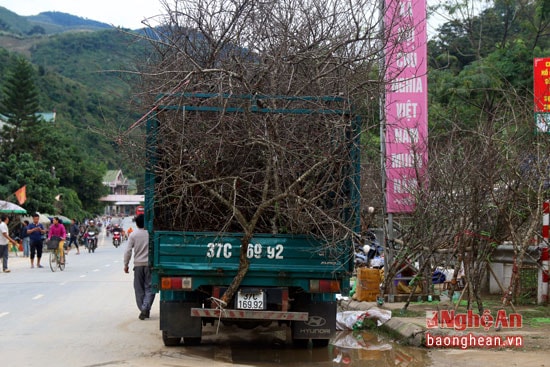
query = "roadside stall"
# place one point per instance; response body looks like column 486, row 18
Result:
column 7, row 207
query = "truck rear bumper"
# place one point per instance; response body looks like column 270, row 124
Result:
column 249, row 314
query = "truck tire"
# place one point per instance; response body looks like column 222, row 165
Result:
column 170, row 341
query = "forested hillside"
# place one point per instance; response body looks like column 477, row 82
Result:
column 86, row 77
column 45, row 23
column 83, row 77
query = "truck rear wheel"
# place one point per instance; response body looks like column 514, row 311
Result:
column 170, row 341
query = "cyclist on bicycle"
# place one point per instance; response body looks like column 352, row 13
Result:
column 58, row 230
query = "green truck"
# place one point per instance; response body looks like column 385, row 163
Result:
column 289, row 278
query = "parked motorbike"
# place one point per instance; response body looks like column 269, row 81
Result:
column 117, row 238
column 91, row 240
column 368, row 251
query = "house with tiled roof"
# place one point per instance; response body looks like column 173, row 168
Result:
column 116, row 182
column 120, row 200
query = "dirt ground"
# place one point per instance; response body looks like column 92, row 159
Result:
column 485, row 358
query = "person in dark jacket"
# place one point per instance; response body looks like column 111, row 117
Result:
column 25, row 240
column 74, row 231
column 36, row 231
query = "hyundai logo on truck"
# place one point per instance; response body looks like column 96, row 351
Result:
column 316, row 321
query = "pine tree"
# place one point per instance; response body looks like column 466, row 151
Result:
column 19, row 104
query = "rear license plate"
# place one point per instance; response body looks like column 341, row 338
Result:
column 250, row 300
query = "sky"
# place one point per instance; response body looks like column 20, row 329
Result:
column 124, row 13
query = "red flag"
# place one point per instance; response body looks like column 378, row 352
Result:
column 21, row 194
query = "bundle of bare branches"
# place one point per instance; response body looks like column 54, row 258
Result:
column 258, row 172
column 222, row 171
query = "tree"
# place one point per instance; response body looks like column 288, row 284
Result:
column 472, row 32
column 90, row 185
column 23, row 169
column 257, row 173
column 26, row 138
column 75, row 171
column 68, row 203
column 36, row 30
column 488, row 170
column 19, row 104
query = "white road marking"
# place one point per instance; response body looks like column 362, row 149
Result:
column 95, row 270
column 38, row 296
column 4, row 314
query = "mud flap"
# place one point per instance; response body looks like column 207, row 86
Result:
column 176, row 320
column 321, row 323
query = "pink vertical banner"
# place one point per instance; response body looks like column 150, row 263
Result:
column 406, row 108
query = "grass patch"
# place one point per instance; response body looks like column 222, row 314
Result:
column 400, row 312
column 538, row 321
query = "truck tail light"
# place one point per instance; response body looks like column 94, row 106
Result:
column 176, row 283
column 324, row 286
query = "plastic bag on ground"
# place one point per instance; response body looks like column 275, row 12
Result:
column 353, row 340
column 354, row 320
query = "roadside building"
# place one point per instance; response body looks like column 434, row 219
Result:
column 122, row 199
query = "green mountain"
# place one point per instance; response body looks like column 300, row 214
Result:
column 45, row 23
column 84, row 73
column 58, row 22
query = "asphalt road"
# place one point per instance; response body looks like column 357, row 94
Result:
column 87, row 316
column 82, row 316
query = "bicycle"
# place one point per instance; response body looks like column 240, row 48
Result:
column 55, row 256
column 55, row 261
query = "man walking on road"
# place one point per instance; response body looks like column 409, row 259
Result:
column 139, row 243
column 74, row 231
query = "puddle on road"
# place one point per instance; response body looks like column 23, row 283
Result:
column 348, row 348
column 361, row 348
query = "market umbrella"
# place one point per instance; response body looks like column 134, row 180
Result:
column 11, row 208
column 43, row 219
column 63, row 219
